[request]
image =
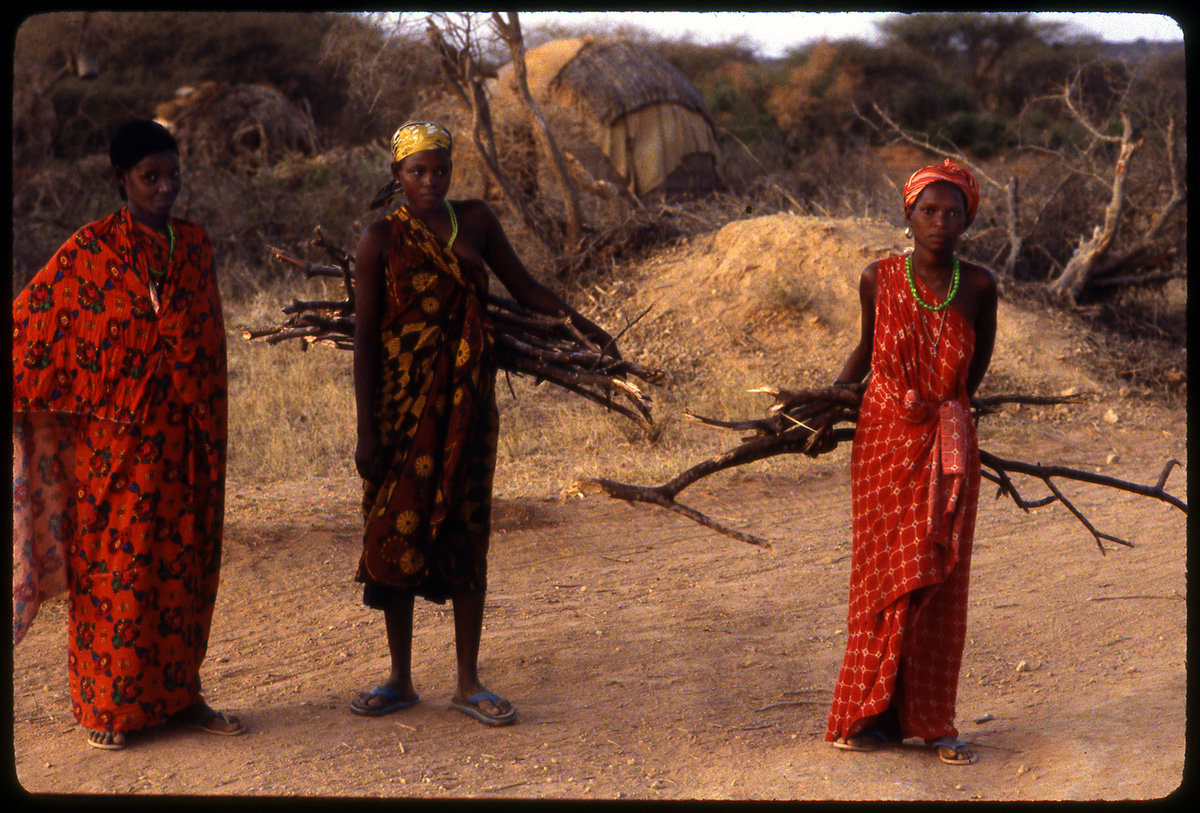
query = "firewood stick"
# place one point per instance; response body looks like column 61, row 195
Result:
column 301, row 305
column 294, row 333
column 800, row 437
column 641, row 420
column 336, row 253
column 579, row 382
column 630, row 493
column 579, row 377
column 1044, row 473
column 310, row 269
column 548, row 348
column 560, row 354
column 569, row 353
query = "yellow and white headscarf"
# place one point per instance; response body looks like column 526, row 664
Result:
column 417, row 136
column 412, row 137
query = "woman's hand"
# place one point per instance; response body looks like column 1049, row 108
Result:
column 368, row 457
column 597, row 335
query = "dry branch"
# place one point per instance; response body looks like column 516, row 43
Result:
column 509, row 29
column 546, row 348
column 807, row 421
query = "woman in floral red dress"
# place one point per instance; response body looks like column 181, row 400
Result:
column 928, row 329
column 119, row 424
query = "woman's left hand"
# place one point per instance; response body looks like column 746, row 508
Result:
column 606, row 343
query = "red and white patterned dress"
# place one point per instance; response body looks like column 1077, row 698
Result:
column 915, row 488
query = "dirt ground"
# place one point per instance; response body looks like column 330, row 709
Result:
column 650, row 658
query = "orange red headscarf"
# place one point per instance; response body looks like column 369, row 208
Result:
column 949, row 172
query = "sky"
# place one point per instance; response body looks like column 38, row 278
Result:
column 774, row 32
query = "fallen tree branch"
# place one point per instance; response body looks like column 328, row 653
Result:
column 804, row 421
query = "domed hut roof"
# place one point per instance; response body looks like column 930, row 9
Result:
column 242, row 125
column 642, row 112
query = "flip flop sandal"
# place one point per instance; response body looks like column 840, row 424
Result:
column 113, row 744
column 203, row 724
column 362, row 706
column 954, row 752
column 869, row 740
column 470, row 707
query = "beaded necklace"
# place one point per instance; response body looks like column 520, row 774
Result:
column 156, row 276
column 453, row 224
column 912, row 286
column 170, row 254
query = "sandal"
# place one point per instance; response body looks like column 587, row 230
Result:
column 869, row 740
column 106, row 740
column 470, row 707
column 952, row 751
column 202, row 717
column 395, row 702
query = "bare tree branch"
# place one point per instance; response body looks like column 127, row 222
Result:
column 510, row 31
column 454, row 44
column 803, row 420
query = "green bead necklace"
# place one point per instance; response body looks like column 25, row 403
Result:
column 170, row 253
column 912, row 286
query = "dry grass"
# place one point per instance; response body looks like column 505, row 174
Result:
column 291, row 413
column 292, row 416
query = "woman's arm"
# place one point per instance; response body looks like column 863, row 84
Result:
column 859, row 363
column 983, row 285
column 369, row 266
column 499, row 255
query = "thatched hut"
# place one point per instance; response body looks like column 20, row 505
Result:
column 642, row 113
column 243, row 125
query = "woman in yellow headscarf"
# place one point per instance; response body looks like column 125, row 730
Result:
column 424, row 378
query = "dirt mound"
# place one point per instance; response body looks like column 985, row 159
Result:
column 777, row 296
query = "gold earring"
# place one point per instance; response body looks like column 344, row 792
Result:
column 908, row 232
column 966, row 235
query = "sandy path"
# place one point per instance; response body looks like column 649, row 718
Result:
column 650, row 658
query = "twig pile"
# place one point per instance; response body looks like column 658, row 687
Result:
column 544, row 347
column 806, row 421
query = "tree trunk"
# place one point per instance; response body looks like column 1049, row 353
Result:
column 510, row 32
column 1082, row 267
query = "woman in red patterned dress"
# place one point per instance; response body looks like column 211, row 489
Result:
column 119, row 417
column 928, row 329
column 424, row 378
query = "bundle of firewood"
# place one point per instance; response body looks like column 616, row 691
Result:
column 814, row 421
column 545, row 348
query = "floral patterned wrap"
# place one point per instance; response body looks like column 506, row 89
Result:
column 427, row 523
column 119, row 428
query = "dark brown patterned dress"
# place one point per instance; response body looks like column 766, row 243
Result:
column 428, row 521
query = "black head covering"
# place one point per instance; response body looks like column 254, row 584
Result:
column 136, row 139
